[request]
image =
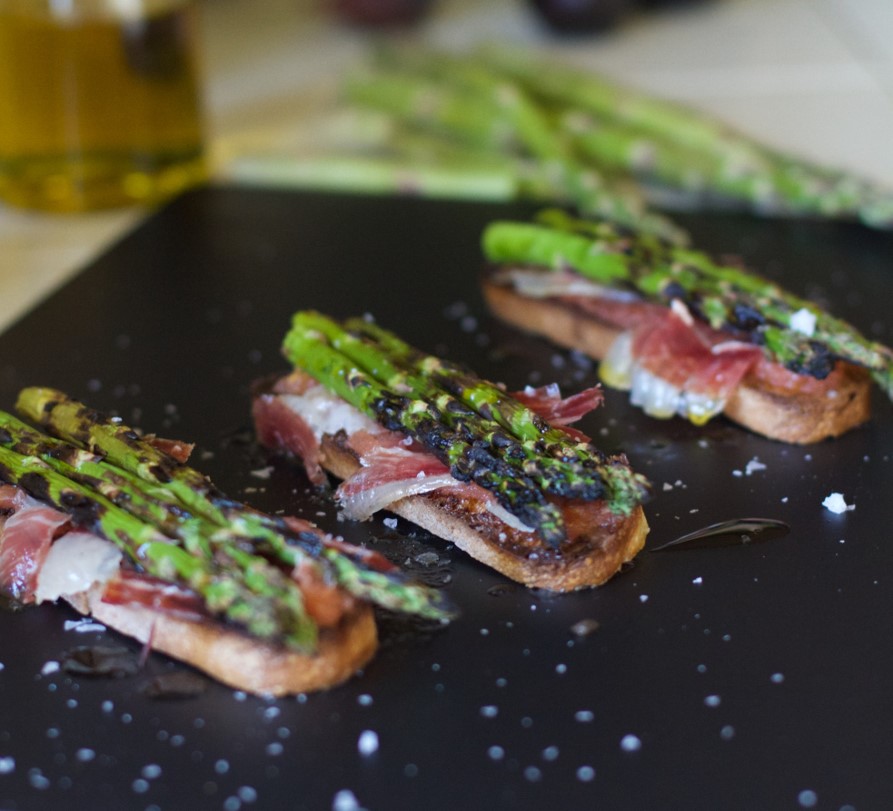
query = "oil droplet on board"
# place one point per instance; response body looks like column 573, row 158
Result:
column 735, row 532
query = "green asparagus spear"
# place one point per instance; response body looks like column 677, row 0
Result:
column 244, row 589
column 229, row 522
column 580, row 461
column 386, row 358
column 722, row 295
column 628, row 130
column 309, row 350
column 481, row 109
column 515, row 455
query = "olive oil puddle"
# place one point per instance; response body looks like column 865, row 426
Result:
column 735, row 532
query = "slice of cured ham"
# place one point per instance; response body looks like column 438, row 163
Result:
column 26, row 534
column 392, row 466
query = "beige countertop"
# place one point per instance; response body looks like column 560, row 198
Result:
column 814, row 76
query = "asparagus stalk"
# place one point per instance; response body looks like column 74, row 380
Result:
column 242, row 588
column 309, row 350
column 518, row 457
column 480, row 109
column 723, row 296
column 226, row 523
column 684, row 142
column 584, row 471
column 383, row 356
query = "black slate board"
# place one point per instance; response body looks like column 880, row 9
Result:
column 751, row 676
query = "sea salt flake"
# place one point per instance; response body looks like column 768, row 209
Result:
column 836, row 503
column 390, row 523
column 367, row 744
column 803, row 321
column 630, row 743
column 585, row 774
column 263, row 472
column 807, row 799
column 753, row 466
column 83, row 626
column 345, row 800
column 49, row 668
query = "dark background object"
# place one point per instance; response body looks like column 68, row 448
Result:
column 581, row 16
column 737, row 677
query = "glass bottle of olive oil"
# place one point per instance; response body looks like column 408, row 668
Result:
column 100, row 102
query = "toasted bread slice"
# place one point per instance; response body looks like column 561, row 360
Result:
column 798, row 417
column 600, row 544
column 236, row 659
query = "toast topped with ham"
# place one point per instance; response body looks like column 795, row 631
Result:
column 121, row 528
column 684, row 333
column 501, row 475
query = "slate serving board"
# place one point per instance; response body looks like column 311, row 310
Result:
column 744, row 676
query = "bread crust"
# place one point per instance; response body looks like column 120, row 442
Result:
column 237, row 659
column 798, row 418
column 589, row 559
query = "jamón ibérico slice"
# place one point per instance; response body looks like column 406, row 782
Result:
column 130, row 587
column 25, row 539
column 693, row 357
column 281, row 428
column 388, row 473
column 177, row 450
column 557, row 410
column 325, row 602
column 372, row 559
column 623, row 315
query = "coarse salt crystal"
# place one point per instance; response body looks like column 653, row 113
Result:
column 753, row 466
column 345, row 800
column 50, row 667
column 7, row 765
column 390, row 523
column 630, row 743
column 836, row 503
column 803, row 321
column 367, row 744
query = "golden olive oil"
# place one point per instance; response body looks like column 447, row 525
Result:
column 99, row 102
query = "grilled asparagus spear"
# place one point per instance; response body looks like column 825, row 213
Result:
column 480, row 432
column 723, row 295
column 170, row 520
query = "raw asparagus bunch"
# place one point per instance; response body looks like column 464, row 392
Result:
column 470, row 106
column 507, row 124
column 683, row 149
column 722, row 295
column 171, row 521
column 478, row 430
